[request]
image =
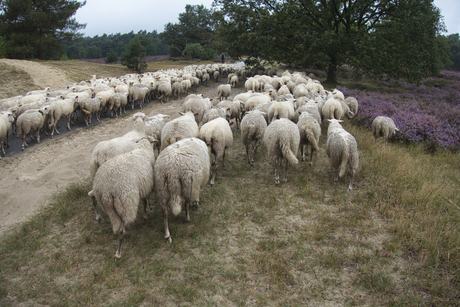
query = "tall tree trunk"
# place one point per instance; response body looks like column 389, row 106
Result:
column 332, row 70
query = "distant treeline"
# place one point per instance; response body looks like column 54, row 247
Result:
column 100, row 46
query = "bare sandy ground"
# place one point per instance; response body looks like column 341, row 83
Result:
column 28, row 180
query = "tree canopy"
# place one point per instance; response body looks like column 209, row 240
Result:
column 383, row 38
column 37, row 29
column 195, row 25
column 133, row 57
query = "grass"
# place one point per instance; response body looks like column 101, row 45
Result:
column 394, row 240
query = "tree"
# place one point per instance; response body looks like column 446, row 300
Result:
column 454, row 44
column 133, row 57
column 384, row 38
column 195, row 26
column 37, row 29
column 2, row 48
column 111, row 57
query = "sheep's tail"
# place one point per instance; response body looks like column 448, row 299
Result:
column 275, row 116
column 343, row 165
column 311, row 139
column 288, row 154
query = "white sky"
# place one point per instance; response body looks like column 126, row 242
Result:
column 121, row 16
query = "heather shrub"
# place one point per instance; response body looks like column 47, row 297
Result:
column 427, row 114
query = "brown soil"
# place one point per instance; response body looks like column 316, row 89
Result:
column 28, row 180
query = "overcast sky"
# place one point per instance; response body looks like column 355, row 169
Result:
column 121, row 16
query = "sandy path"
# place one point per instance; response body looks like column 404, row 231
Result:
column 28, row 180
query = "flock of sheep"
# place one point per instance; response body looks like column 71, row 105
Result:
column 282, row 112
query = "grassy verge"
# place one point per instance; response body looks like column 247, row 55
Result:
column 393, row 240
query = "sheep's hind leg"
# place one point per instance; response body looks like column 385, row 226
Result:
column 286, row 171
column 167, row 236
column 120, row 240
column 277, row 171
column 99, row 218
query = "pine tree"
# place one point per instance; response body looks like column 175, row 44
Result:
column 133, row 57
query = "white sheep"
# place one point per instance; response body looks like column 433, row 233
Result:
column 197, row 105
column 234, row 81
column 179, row 128
column 332, row 109
column 352, row 104
column 181, row 170
column 59, row 109
column 206, row 77
column 218, row 136
column 252, row 84
column 234, row 109
column 383, row 126
column 153, row 127
column 34, row 119
column 253, row 127
column 310, row 131
column 177, row 89
column 281, row 109
column 282, row 139
column 6, row 125
column 88, row 106
column 121, row 183
column 342, row 149
column 223, row 91
column 214, row 113
column 118, row 101
column 164, row 90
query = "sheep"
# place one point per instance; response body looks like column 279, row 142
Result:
column 256, row 99
column 179, row 128
column 105, row 96
column 252, row 84
column 332, row 109
column 234, row 109
column 383, row 126
column 281, row 109
column 283, row 90
column 223, row 91
column 59, row 109
column 205, row 79
column 181, row 170
column 176, row 89
column 121, row 183
column 234, row 81
column 263, row 107
column 118, row 101
column 164, row 90
column 214, row 113
column 153, row 127
column 312, row 108
column 253, row 127
column 6, row 124
column 352, row 104
column 342, row 149
column 106, row 150
column 34, row 119
column 137, row 94
column 216, row 75
column 88, row 106
column 186, row 84
column 218, row 136
column 310, row 131
column 282, row 139
column 196, row 104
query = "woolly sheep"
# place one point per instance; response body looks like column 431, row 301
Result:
column 176, row 89
column 352, row 104
column 253, row 127
column 281, row 109
column 256, row 99
column 342, row 149
column 164, row 91
column 283, row 90
column 59, row 109
column 223, row 91
column 6, row 124
column 197, row 105
column 186, row 84
column 206, row 77
column 214, row 113
column 234, row 109
column 118, row 101
column 218, row 136
column 121, row 183
column 179, row 128
column 252, row 84
column 88, row 106
column 234, row 81
column 34, row 119
column 383, row 126
column 332, row 109
column 282, row 139
column 311, row 108
column 263, row 107
column 137, row 94
column 181, row 170
column 105, row 96
column 310, row 131
column 153, row 127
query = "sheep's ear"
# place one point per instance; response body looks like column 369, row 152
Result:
column 195, row 114
column 396, row 129
column 231, row 123
column 181, row 113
